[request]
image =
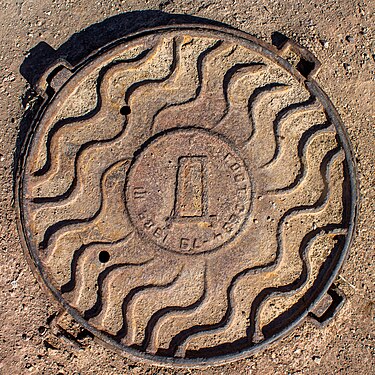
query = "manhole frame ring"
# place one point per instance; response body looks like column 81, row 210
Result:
column 274, row 55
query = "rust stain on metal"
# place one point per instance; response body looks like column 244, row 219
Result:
column 189, row 195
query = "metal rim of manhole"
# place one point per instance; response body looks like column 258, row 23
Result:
column 188, row 193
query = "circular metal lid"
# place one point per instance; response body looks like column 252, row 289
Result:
column 188, row 195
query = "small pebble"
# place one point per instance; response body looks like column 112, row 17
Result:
column 317, row 359
column 324, row 43
column 349, row 39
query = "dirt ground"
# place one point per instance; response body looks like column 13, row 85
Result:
column 341, row 35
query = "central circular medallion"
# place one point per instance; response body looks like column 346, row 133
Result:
column 188, row 191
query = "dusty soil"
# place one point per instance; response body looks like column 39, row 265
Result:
column 341, row 35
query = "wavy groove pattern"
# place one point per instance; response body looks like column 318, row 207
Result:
column 229, row 317
column 169, row 310
column 70, row 285
column 63, row 165
column 286, row 113
column 210, row 102
column 78, row 237
column 124, row 329
column 163, row 302
column 81, row 122
column 303, row 144
column 110, row 313
column 96, row 308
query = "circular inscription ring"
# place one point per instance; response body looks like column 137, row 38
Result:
column 188, row 195
column 188, row 191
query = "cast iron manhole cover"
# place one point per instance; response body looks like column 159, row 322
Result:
column 188, row 195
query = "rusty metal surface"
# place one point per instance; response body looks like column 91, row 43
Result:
column 188, row 195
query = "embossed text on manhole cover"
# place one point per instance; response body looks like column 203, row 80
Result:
column 189, row 194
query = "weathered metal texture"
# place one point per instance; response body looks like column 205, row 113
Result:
column 188, row 195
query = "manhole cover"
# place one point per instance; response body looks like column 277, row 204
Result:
column 188, row 195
